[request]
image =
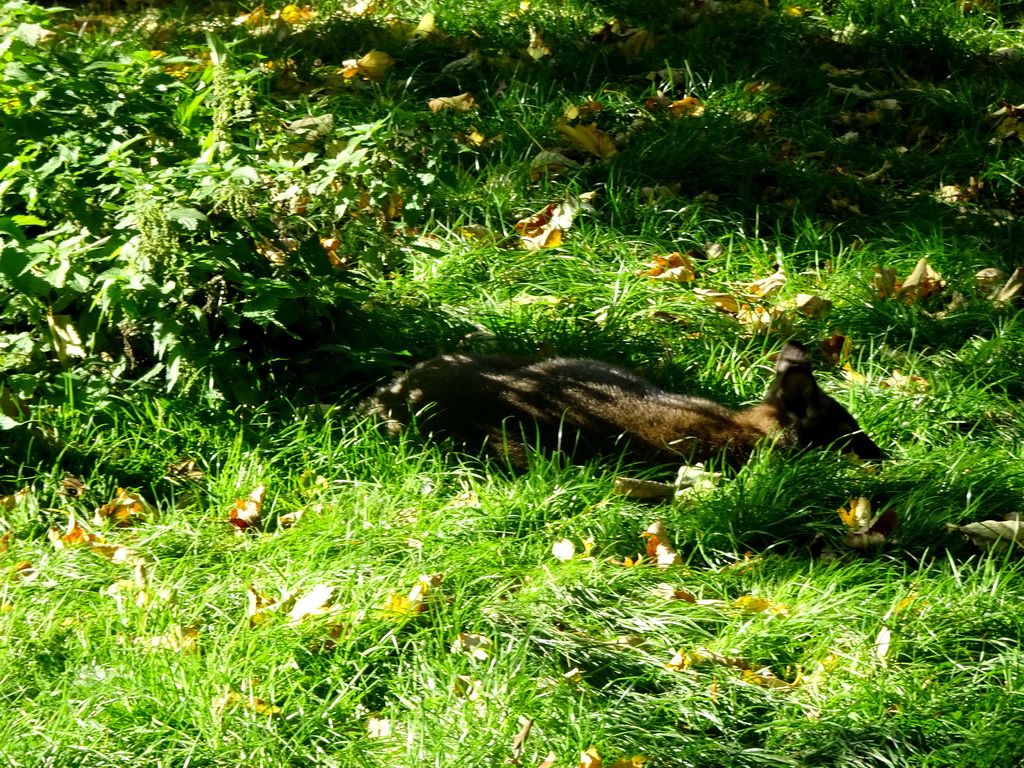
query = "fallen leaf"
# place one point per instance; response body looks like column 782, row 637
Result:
column 74, row 534
column 633, row 488
column 722, row 301
column 319, row 601
column 246, row 515
column 232, row 698
column 293, row 14
column 1008, row 122
column 464, row 102
column 867, row 531
column 751, row 604
column 768, row 285
column 882, row 644
column 537, row 49
column 180, row 640
column 544, row 228
column 885, row 282
column 836, row 349
column 378, row 728
column 124, row 510
column 921, row 283
column 416, row 602
column 119, row 553
column 1011, row 289
column 906, row 383
column 812, row 305
column 373, row 66
column 590, row 758
column 668, row 592
column 659, row 546
column 588, row 138
column 676, row 268
column 995, row 535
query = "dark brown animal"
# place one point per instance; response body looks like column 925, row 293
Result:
column 587, row 408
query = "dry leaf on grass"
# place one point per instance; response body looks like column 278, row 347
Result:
column 373, row 66
column 866, row 530
column 676, row 268
column 906, row 383
column 995, row 535
column 399, row 605
column 659, row 546
column 125, row 509
column 73, row 535
column 768, row 285
column 464, row 102
column 588, row 138
column 544, row 228
column 246, row 515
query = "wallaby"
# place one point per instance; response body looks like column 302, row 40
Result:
column 587, row 408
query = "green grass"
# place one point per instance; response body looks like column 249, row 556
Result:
column 907, row 654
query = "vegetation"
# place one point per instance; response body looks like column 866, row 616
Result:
column 220, row 228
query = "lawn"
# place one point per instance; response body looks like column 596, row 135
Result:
column 222, row 227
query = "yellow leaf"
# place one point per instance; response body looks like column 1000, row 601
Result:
column 722, row 301
column 375, row 65
column 293, row 14
column 464, row 102
column 858, row 516
column 750, row 604
column 768, row 285
column 587, row 138
column 590, row 758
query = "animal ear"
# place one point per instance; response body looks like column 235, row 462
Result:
column 793, row 355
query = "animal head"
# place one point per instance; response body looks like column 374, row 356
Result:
column 818, row 420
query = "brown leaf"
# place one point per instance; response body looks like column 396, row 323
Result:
column 668, row 592
column 768, row 285
column 836, row 349
column 722, row 301
column 997, row 535
column 246, row 515
column 921, row 283
column 464, row 102
column 74, row 535
column 126, row 509
column 675, row 268
column 587, row 138
column 659, row 546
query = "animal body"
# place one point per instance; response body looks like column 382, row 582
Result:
column 587, row 408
